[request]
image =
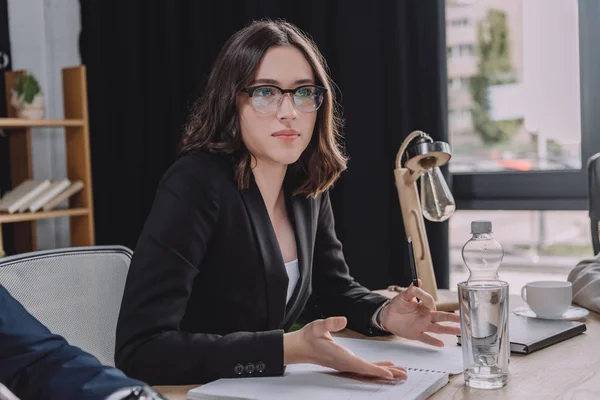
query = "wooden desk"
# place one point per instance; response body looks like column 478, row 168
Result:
column 569, row 370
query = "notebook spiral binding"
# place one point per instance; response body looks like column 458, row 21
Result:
column 425, row 370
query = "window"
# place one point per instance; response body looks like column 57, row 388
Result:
column 459, row 22
column 461, row 50
column 459, row 84
column 529, row 137
column 466, row 50
column 538, row 245
column 533, row 124
column 525, row 94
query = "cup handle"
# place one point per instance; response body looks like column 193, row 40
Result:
column 524, row 293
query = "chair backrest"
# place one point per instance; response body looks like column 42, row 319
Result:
column 594, row 198
column 76, row 292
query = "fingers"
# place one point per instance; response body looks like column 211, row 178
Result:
column 397, row 375
column 384, row 363
column 358, row 365
column 389, row 364
column 334, row 324
column 425, row 297
column 425, row 338
column 444, row 329
column 398, row 371
column 440, row 316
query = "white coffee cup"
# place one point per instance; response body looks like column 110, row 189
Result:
column 548, row 299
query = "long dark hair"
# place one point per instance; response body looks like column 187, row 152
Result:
column 214, row 125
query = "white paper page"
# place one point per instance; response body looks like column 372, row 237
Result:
column 311, row 382
column 409, row 354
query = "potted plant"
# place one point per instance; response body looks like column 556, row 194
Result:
column 27, row 98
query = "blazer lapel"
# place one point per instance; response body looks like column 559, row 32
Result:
column 275, row 274
column 301, row 218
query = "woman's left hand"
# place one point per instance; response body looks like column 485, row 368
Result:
column 405, row 317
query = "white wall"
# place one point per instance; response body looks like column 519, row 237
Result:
column 43, row 39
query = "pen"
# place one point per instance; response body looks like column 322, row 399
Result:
column 413, row 266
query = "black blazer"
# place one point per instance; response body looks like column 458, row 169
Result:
column 205, row 296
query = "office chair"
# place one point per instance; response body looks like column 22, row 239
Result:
column 594, row 199
column 76, row 292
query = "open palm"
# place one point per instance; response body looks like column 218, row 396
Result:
column 314, row 344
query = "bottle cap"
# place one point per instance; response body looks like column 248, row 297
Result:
column 478, row 227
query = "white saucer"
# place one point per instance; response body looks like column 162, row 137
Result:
column 572, row 314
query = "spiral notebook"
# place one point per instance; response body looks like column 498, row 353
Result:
column 428, row 371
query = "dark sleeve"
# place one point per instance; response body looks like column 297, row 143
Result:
column 149, row 344
column 335, row 291
column 36, row 364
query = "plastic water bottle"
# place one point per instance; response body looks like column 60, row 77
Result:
column 483, row 302
column 482, row 254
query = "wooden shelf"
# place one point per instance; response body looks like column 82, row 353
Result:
column 22, row 229
column 29, row 216
column 31, row 123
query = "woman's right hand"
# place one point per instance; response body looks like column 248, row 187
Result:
column 313, row 344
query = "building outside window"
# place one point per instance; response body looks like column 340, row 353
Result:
column 515, row 127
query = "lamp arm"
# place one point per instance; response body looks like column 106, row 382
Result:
column 412, row 217
column 412, row 214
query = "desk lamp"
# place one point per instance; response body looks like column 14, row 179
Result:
column 420, row 157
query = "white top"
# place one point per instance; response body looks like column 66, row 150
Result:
column 293, row 273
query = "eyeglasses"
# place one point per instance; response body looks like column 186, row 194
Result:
column 267, row 99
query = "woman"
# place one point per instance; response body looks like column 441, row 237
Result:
column 241, row 232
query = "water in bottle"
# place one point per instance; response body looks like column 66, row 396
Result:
column 483, row 300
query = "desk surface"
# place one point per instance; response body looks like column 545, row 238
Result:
column 570, row 369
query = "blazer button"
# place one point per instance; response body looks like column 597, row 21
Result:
column 249, row 368
column 260, row 367
column 238, row 369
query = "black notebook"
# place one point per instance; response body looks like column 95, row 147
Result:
column 527, row 335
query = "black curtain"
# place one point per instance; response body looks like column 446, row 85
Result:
column 148, row 60
column 5, row 65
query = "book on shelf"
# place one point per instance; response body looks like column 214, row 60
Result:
column 73, row 188
column 25, row 205
column 23, row 194
column 35, row 195
column 52, row 191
